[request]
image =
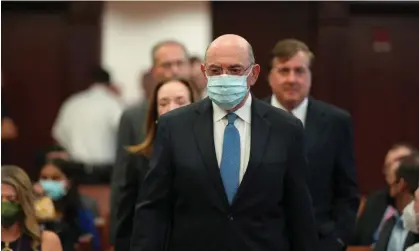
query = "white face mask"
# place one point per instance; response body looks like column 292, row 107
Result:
column 411, row 218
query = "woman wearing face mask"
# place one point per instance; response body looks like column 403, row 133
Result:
column 20, row 230
column 72, row 221
column 130, row 172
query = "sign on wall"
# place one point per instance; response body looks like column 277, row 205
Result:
column 381, row 40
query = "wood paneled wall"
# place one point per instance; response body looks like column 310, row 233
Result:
column 48, row 49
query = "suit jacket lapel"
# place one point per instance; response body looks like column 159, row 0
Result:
column 384, row 235
column 204, row 135
column 260, row 128
column 314, row 124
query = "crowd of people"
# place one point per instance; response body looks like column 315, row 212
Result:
column 202, row 164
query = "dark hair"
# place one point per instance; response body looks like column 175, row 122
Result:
column 70, row 204
column 288, row 48
column 146, row 147
column 195, row 59
column 41, row 155
column 409, row 171
column 101, row 76
column 157, row 46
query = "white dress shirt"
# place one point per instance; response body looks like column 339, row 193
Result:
column 87, row 125
column 242, row 124
column 415, row 247
column 300, row 111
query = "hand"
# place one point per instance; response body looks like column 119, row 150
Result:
column 38, row 189
column 44, row 209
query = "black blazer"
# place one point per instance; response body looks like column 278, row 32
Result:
column 332, row 177
column 370, row 219
column 131, row 131
column 183, row 205
column 385, row 234
column 126, row 183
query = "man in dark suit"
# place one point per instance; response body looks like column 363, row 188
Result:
column 329, row 143
column 170, row 60
column 404, row 182
column 228, row 172
column 379, row 206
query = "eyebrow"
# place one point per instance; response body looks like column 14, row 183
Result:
column 163, row 99
column 230, row 66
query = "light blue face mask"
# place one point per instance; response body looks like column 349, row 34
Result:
column 53, row 189
column 227, row 91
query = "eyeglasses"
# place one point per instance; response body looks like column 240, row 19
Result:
column 236, row 70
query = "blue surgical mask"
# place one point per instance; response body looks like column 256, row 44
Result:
column 53, row 189
column 227, row 91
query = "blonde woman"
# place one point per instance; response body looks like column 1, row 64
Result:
column 20, row 230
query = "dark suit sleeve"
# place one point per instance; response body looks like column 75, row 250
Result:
column 346, row 199
column 125, row 132
column 154, row 208
column 298, row 203
column 124, row 138
column 124, row 190
column 127, row 136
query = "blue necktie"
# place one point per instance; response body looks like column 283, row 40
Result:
column 230, row 160
column 396, row 241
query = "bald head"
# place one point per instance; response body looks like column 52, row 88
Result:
column 231, row 44
column 230, row 55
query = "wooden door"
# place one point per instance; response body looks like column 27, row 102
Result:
column 384, row 89
column 32, row 46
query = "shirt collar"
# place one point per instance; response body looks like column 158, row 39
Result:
column 300, row 111
column 243, row 112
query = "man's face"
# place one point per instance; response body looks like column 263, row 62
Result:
column 397, row 186
column 394, row 184
column 197, row 76
column 231, row 60
column 291, row 80
column 392, row 161
column 171, row 62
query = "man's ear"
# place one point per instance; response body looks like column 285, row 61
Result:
column 153, row 73
column 203, row 70
column 255, row 73
column 404, row 185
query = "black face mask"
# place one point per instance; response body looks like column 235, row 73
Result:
column 10, row 214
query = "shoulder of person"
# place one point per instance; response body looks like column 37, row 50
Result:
column 50, row 241
column 71, row 102
column 330, row 110
column 276, row 115
column 182, row 114
column 133, row 109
